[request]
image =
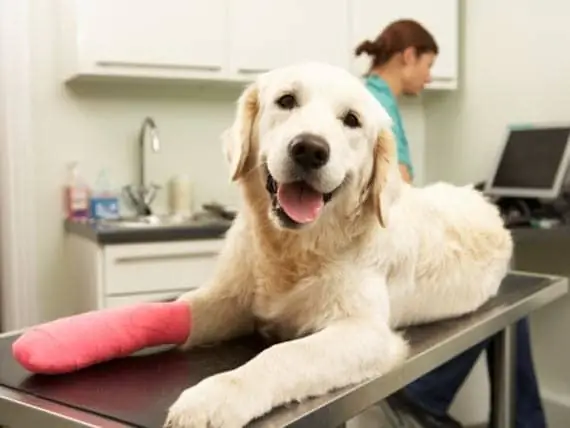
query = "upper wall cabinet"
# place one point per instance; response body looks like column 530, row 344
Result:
column 440, row 17
column 234, row 40
column 266, row 34
column 144, row 38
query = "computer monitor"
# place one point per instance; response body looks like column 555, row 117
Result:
column 532, row 163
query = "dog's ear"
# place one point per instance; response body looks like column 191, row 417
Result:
column 385, row 182
column 237, row 140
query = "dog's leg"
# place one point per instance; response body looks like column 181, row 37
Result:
column 221, row 309
column 348, row 351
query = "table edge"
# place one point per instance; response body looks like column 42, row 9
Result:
column 22, row 409
column 353, row 400
column 350, row 401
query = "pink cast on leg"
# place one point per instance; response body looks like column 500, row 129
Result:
column 79, row 341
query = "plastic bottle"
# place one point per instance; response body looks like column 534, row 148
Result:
column 180, row 195
column 104, row 204
column 76, row 195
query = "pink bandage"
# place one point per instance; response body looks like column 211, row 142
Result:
column 79, row 341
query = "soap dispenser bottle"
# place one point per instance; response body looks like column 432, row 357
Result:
column 76, row 195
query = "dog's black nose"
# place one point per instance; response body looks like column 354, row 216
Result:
column 309, row 151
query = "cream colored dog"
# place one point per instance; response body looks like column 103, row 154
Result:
column 332, row 250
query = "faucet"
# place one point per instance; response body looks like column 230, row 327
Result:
column 141, row 195
column 148, row 123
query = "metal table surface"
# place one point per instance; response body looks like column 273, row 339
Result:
column 136, row 391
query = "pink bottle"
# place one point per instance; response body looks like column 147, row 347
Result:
column 76, row 195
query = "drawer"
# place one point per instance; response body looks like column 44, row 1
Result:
column 159, row 267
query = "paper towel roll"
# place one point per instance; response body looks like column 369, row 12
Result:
column 180, row 195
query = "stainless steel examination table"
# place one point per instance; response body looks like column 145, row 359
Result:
column 136, row 391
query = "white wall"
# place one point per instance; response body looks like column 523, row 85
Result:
column 515, row 68
column 97, row 125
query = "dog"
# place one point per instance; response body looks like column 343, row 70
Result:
column 332, row 252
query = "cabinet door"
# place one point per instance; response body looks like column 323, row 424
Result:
column 153, row 34
column 266, row 34
column 440, row 17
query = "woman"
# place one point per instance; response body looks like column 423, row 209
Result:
column 402, row 57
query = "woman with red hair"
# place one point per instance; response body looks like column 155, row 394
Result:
column 402, row 56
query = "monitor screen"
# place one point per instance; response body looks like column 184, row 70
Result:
column 532, row 162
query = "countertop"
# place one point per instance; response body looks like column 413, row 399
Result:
column 537, row 234
column 137, row 391
column 109, row 233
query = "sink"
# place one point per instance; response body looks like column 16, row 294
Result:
column 155, row 221
column 131, row 223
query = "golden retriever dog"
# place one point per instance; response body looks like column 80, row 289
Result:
column 332, row 250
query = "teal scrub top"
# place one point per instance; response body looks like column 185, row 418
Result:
column 382, row 92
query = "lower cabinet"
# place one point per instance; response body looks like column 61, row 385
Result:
column 107, row 276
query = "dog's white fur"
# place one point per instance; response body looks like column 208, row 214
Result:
column 381, row 255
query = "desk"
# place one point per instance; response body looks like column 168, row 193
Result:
column 523, row 235
column 136, row 391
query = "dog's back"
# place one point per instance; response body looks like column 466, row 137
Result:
column 460, row 253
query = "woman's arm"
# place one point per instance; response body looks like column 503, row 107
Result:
column 405, row 173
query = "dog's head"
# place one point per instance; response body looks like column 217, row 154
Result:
column 314, row 137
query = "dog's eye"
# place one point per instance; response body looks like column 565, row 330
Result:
column 287, row 101
column 351, row 120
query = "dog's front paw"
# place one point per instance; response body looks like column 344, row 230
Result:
column 220, row 401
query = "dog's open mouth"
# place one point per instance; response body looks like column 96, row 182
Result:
column 296, row 203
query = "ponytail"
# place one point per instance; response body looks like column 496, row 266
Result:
column 395, row 38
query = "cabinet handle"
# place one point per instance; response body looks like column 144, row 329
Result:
column 189, row 67
column 252, row 70
column 157, row 257
column 443, row 78
column 172, row 299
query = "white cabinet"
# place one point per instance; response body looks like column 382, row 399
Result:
column 440, row 17
column 121, row 274
column 234, row 40
column 145, row 38
column 269, row 34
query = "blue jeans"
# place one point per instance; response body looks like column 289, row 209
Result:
column 435, row 390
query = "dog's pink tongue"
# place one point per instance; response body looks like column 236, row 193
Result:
column 300, row 202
